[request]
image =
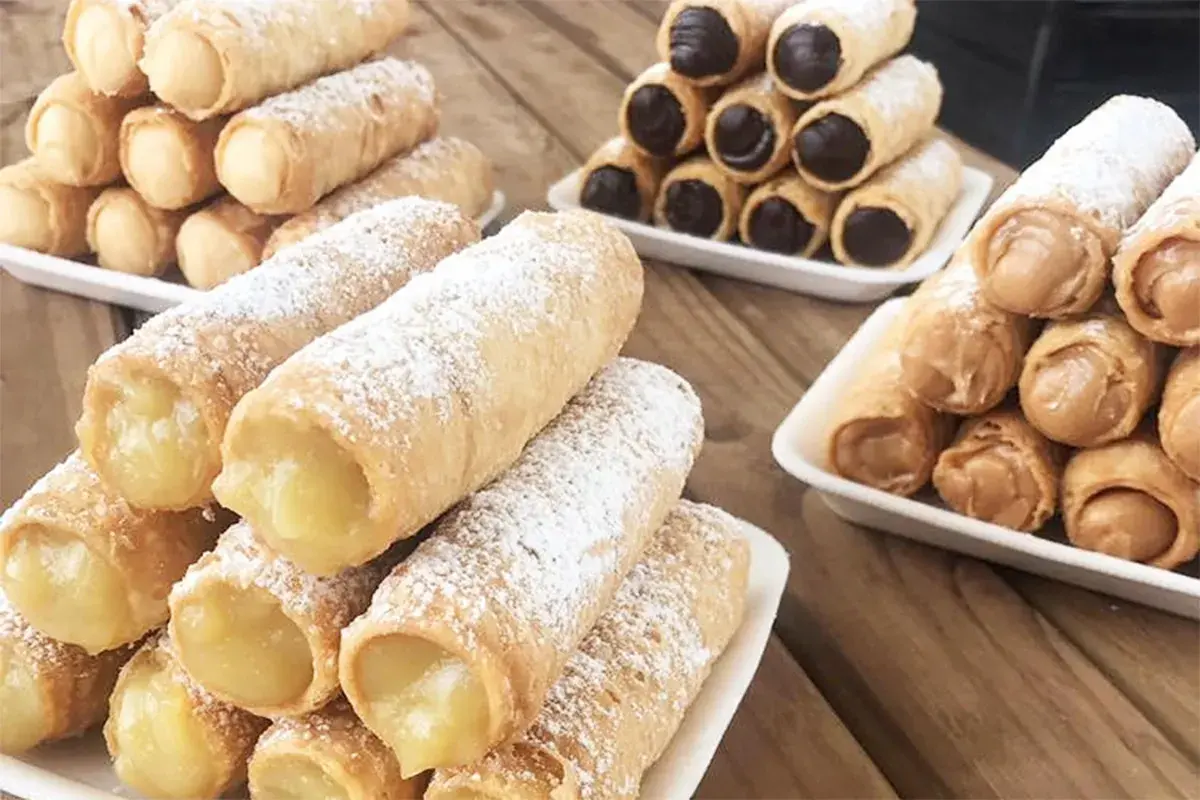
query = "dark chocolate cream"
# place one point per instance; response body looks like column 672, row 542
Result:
column 776, row 225
column 833, row 147
column 807, row 57
column 655, row 119
column 702, row 43
column 612, row 191
column 876, row 237
column 745, row 138
column 694, row 207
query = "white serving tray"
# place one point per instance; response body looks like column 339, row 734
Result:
column 799, row 447
column 79, row 769
column 804, row 275
column 133, row 291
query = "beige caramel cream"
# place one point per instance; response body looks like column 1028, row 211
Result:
column 1075, row 397
column 1038, row 263
column 1106, row 523
column 1167, row 284
column 996, row 485
column 884, row 453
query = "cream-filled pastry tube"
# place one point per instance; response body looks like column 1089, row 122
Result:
column 843, row 140
column 698, row 198
column 621, row 181
column 156, row 405
column 168, row 737
column 84, row 567
column 448, row 169
column 104, row 40
column 129, row 235
column 1043, row 248
column 749, row 128
column 716, row 42
column 222, row 240
column 370, row 433
column 42, row 214
column 622, row 696
column 1179, row 415
column 786, row 215
column 662, row 113
column 1157, row 267
column 210, row 57
column 1129, row 500
column 74, row 133
column 167, row 157
column 464, row 639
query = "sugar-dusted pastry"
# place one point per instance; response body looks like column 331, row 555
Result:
column 716, row 42
column 1129, row 500
column 1157, row 267
column 327, row 755
column 127, row 234
column 463, row 640
column 621, row 181
column 370, row 433
column 167, row 157
column 104, row 40
column 222, row 240
column 662, row 113
column 84, row 567
column 786, row 215
column 74, row 132
column 819, row 48
column 210, row 57
column 1089, row 381
column 748, row 130
column 156, row 405
column 698, row 198
column 622, row 696
column 960, row 353
column 1179, row 415
column 168, row 737
column 42, row 214
column 283, row 155
column 843, row 140
column 890, row 219
column 1043, row 248
column 447, row 169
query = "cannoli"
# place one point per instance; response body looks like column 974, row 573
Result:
column 104, row 40
column 621, row 181
column 820, row 48
column 447, row 169
column 170, row 738
column 841, row 141
column 622, row 696
column 1043, row 248
column 1000, row 469
column 697, row 198
column 210, row 57
column 130, row 235
column 716, row 42
column 890, row 219
column 167, row 157
column 464, row 639
column 786, row 215
column 372, row 432
column 42, row 214
column 1129, row 500
column 1179, row 416
column 662, row 113
column 748, row 130
column 222, row 240
column 156, row 405
column 85, row 568
column 1157, row 268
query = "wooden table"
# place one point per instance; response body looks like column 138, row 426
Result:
column 895, row 669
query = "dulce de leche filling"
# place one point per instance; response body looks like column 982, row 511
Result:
column 1125, row 523
column 884, row 453
column 1077, row 397
column 1038, row 262
column 991, row 482
column 1167, row 284
column 954, row 367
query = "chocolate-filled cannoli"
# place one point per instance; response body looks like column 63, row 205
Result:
column 662, row 114
column 748, row 130
column 716, row 42
column 621, row 181
column 697, row 198
column 1179, row 416
column 786, row 215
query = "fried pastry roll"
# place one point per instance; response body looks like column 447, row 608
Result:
column 222, row 240
column 130, row 235
column 621, row 181
column 1043, row 248
column 698, row 198
column 42, row 214
column 167, row 157
column 622, row 696
column 84, row 567
column 716, row 42
column 662, row 113
column 156, row 405
column 1179, row 416
column 748, row 129
column 104, row 40
column 786, row 215
column 464, row 639
column 370, row 433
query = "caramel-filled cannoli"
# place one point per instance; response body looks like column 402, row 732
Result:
column 84, row 567
column 104, row 40
column 156, row 405
column 1090, row 380
column 452, row 170
column 222, row 240
column 42, row 214
column 168, row 158
column 716, row 42
column 961, row 354
column 372, row 432
column 129, row 235
column 1000, row 469
column 1157, row 268
column 698, row 198
column 210, row 57
column 621, row 181
column 464, row 639
column 841, row 141
column 890, row 219
column 748, row 130
column 786, row 215
column 1179, row 416
column 168, row 737
column 1129, row 500
column 819, row 48
column 282, row 156
column 1043, row 248
column 662, row 113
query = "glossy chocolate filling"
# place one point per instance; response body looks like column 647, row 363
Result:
column 745, row 138
column 834, row 147
column 612, row 191
column 702, row 44
column 807, row 57
column 776, row 225
column 876, row 237
column 694, row 207
column 655, row 119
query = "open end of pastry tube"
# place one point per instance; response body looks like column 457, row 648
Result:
column 185, row 70
column 25, row 724
column 994, row 484
column 655, row 119
column 883, row 453
column 807, row 57
column 293, row 777
column 210, row 254
column 240, row 644
column 26, row 219
column 745, row 138
column 1167, row 284
column 253, row 166
column 124, row 238
column 103, row 48
column 702, row 44
column 1072, row 398
column 1125, row 523
column 777, row 226
column 833, row 147
column 954, row 367
column 695, row 207
column 875, row 236
column 157, row 164
column 613, row 191
column 66, row 144
column 1038, row 262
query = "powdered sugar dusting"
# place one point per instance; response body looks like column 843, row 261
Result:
column 148, row 11
column 870, row 20
column 928, row 165
column 44, row 655
column 1180, row 201
column 894, row 91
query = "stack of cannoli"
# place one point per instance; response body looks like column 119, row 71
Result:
column 1069, row 399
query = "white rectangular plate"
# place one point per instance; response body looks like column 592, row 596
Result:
column 803, row 275
column 799, row 447
column 79, row 769
column 118, row 288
